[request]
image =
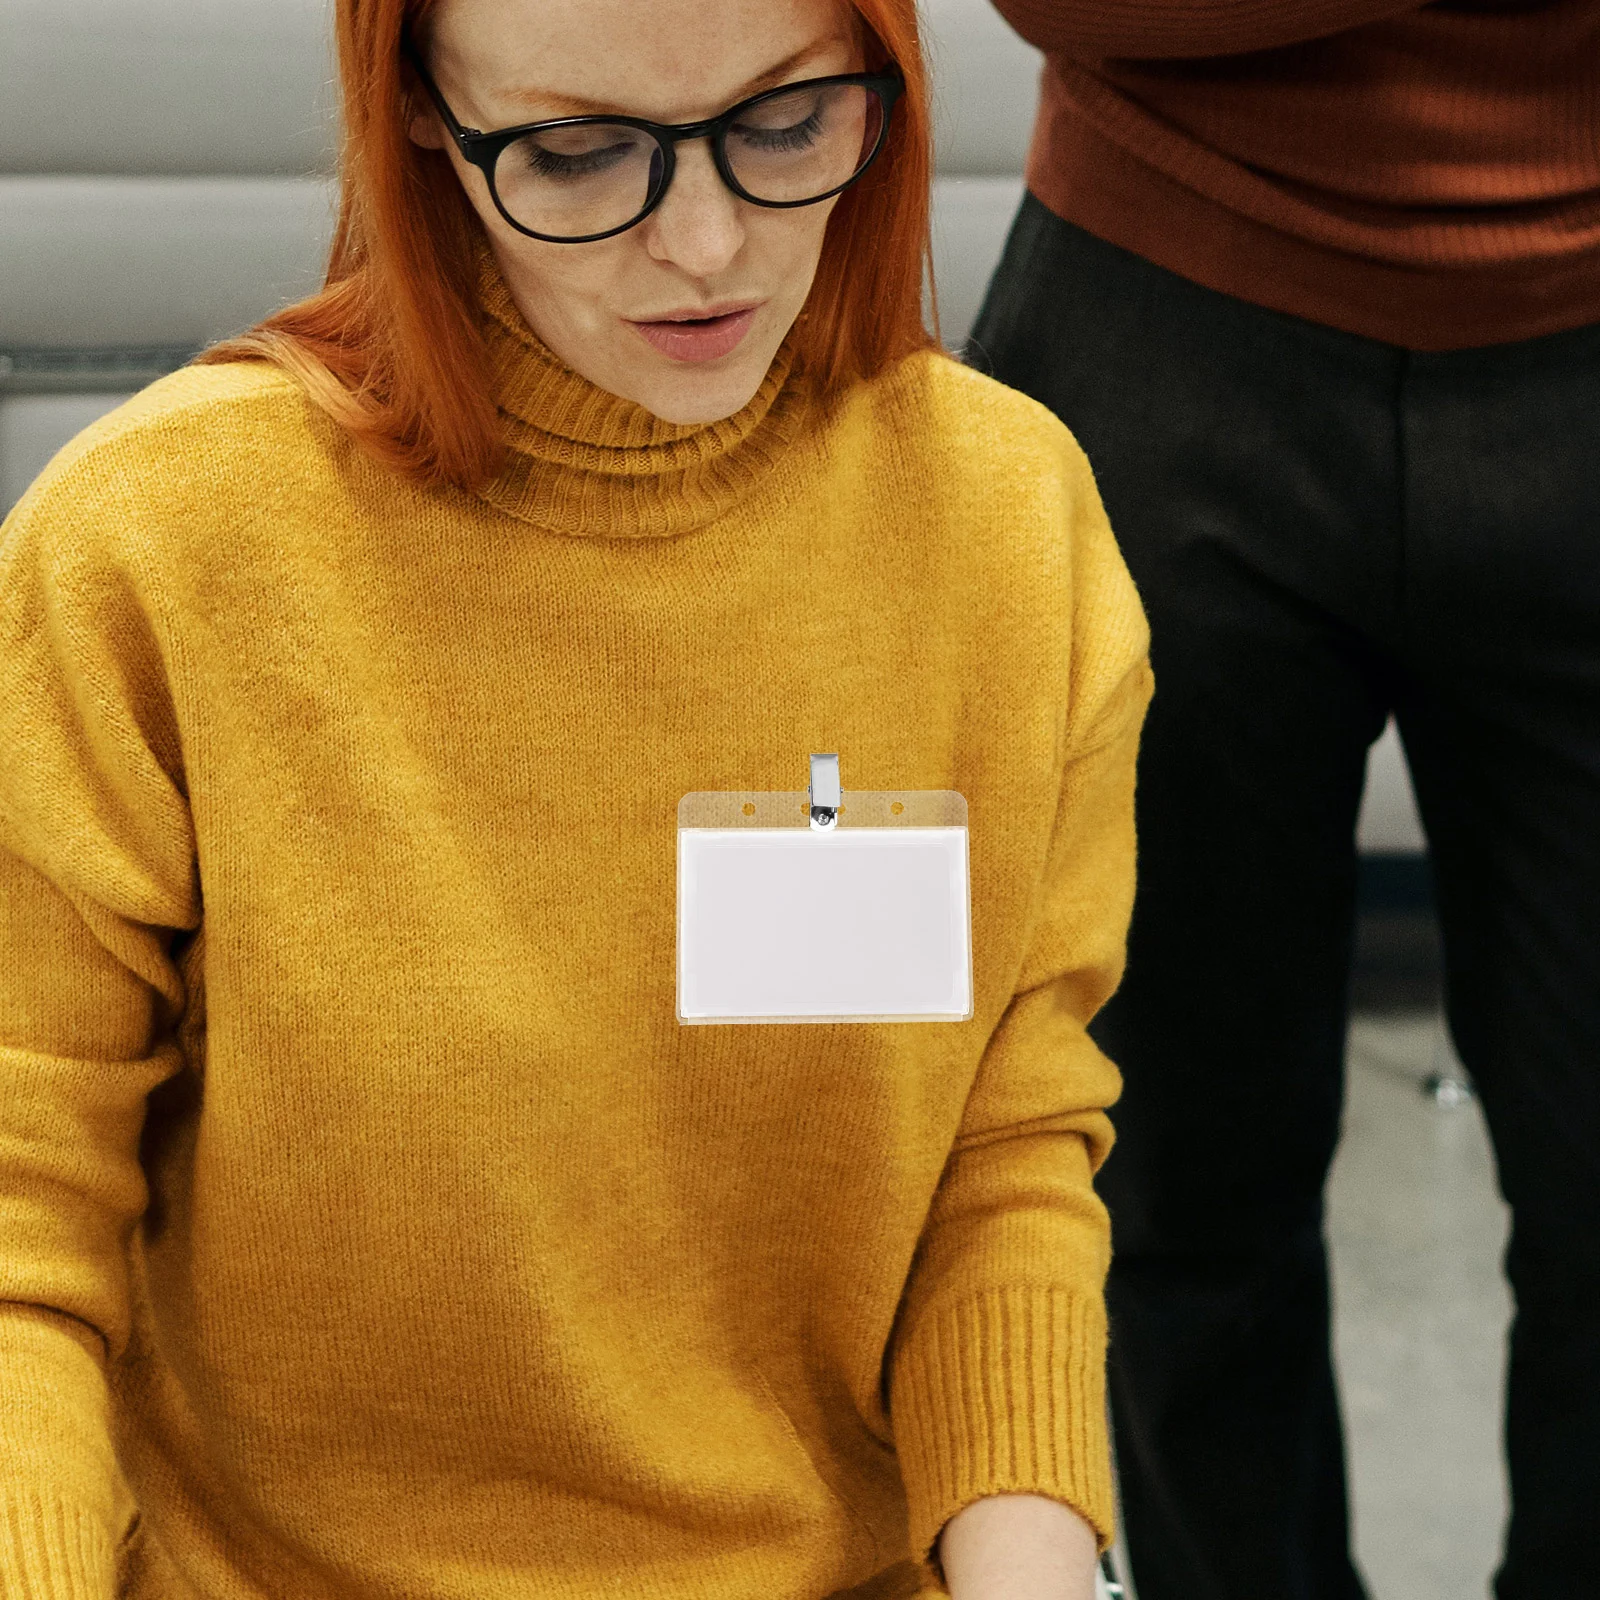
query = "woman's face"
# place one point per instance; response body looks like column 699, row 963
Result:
column 684, row 312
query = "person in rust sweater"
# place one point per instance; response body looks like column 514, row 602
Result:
column 1317, row 285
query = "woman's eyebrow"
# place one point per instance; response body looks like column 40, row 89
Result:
column 562, row 105
column 776, row 74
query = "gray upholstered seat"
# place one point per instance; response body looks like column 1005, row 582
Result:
column 986, row 88
column 163, row 181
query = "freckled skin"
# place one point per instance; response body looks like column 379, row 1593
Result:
column 670, row 61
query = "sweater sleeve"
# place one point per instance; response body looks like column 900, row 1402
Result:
column 97, row 882
column 997, row 1369
column 1093, row 30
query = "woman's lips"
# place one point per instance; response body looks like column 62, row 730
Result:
column 700, row 338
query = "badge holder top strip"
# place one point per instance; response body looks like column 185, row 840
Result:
column 859, row 808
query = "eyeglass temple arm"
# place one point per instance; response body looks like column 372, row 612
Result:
column 409, row 50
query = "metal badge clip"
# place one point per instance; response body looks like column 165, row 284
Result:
column 826, row 798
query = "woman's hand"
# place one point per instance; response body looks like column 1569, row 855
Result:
column 1018, row 1547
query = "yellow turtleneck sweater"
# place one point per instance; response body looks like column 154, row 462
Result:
column 366, row 1217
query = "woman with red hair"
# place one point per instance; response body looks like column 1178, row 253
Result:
column 369, row 1225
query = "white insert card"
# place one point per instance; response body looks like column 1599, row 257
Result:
column 868, row 921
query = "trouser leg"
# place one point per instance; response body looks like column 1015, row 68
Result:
column 1502, row 725
column 1230, row 1028
column 1249, row 465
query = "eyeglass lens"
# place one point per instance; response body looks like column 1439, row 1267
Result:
column 786, row 148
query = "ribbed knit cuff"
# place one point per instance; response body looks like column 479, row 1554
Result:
column 52, row 1551
column 1004, row 1393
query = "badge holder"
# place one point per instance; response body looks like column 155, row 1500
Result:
column 824, row 906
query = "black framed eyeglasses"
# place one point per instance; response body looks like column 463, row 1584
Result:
column 572, row 180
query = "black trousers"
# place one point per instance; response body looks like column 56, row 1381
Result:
column 1326, row 529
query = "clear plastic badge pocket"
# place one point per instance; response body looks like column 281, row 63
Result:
column 865, row 919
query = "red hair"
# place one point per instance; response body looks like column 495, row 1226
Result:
column 391, row 347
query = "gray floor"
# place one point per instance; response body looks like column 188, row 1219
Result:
column 1417, row 1229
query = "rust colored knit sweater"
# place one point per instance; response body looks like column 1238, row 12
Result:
column 1428, row 176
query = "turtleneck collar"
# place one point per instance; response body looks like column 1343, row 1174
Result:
column 583, row 461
